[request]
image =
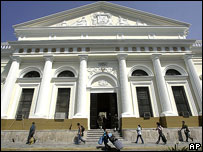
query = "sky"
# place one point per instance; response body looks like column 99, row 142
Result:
column 16, row 12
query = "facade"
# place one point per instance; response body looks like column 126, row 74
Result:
column 101, row 58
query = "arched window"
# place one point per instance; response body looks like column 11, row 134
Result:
column 31, row 74
column 66, row 74
column 172, row 72
column 139, row 73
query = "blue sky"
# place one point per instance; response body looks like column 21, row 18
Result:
column 15, row 12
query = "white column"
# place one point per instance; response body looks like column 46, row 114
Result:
column 8, row 86
column 162, row 90
column 81, row 97
column 195, row 80
column 124, row 88
column 43, row 98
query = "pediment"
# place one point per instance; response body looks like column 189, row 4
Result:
column 101, row 14
column 102, row 19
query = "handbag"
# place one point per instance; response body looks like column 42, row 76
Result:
column 101, row 139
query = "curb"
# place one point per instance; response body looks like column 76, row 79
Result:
column 82, row 148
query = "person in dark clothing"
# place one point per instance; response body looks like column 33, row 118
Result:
column 104, row 122
column 109, row 121
column 79, row 134
column 160, row 131
column 31, row 133
column 115, row 122
column 186, row 131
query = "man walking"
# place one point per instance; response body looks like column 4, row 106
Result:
column 139, row 134
column 161, row 135
column 31, row 133
column 186, row 131
column 79, row 134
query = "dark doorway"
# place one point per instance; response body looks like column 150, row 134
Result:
column 181, row 100
column 103, row 102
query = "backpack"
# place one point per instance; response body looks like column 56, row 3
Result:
column 83, row 129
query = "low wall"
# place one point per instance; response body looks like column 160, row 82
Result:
column 42, row 136
column 150, row 135
column 42, row 124
column 167, row 122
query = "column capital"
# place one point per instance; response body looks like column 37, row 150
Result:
column 155, row 56
column 15, row 58
column 83, row 57
column 188, row 56
column 48, row 57
column 122, row 56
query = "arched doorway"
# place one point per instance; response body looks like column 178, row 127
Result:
column 103, row 101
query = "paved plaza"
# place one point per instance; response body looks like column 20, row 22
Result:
column 128, row 146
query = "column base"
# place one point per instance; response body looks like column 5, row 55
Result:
column 79, row 115
column 127, row 114
column 4, row 117
column 40, row 116
column 168, row 113
column 200, row 113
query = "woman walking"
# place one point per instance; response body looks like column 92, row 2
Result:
column 139, row 134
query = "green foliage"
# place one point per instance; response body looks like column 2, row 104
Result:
column 175, row 148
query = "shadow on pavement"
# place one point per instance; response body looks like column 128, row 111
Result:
column 109, row 149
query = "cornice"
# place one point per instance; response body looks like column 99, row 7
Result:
column 102, row 42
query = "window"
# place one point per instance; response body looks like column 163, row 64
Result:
column 31, row 74
column 172, row 72
column 25, row 102
column 63, row 99
column 66, row 74
column 144, row 102
column 181, row 100
column 139, row 73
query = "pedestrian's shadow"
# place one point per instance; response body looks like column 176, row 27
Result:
column 109, row 149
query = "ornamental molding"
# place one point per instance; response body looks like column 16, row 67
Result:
column 103, row 83
column 101, row 69
column 101, row 18
column 81, row 22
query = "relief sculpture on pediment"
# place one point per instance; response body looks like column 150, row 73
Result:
column 101, row 18
column 80, row 22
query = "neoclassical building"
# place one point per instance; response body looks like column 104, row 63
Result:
column 97, row 59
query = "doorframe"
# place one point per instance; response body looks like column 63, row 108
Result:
column 104, row 90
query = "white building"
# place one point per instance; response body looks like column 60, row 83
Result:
column 97, row 58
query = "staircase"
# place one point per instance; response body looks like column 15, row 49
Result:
column 93, row 135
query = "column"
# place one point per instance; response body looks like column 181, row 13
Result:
column 195, row 80
column 161, row 85
column 125, row 91
column 82, row 80
column 8, row 86
column 43, row 97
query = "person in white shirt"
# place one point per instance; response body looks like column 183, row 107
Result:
column 139, row 134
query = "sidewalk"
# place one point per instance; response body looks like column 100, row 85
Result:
column 128, row 146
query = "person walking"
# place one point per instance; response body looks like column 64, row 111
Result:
column 139, row 134
column 115, row 122
column 31, row 133
column 79, row 134
column 186, row 131
column 100, row 122
column 161, row 135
